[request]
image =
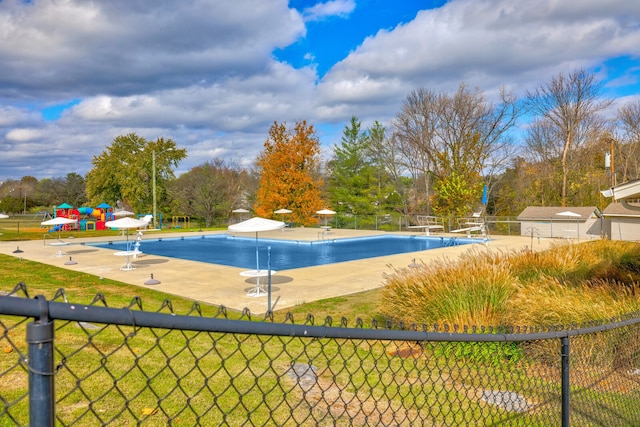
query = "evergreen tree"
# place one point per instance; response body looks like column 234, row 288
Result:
column 354, row 184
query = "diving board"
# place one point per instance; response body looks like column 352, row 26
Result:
column 468, row 230
column 428, row 224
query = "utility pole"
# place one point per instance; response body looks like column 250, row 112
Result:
column 608, row 161
column 613, row 169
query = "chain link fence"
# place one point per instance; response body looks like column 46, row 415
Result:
column 81, row 365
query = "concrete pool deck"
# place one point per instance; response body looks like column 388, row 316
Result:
column 222, row 285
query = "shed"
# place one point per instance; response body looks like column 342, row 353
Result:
column 580, row 222
column 622, row 221
column 622, row 218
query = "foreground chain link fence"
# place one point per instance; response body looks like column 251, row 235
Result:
column 82, row 365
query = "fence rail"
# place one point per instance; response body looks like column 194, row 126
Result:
column 389, row 222
column 73, row 364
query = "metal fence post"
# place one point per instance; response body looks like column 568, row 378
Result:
column 565, row 381
column 41, row 385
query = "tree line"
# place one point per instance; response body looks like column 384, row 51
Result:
column 443, row 154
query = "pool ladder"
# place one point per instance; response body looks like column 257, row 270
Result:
column 453, row 241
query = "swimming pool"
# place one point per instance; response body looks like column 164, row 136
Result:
column 285, row 254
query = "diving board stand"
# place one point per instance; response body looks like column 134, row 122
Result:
column 428, row 224
column 471, row 225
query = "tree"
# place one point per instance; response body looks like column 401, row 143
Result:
column 12, row 197
column 50, row 192
column 353, row 186
column 289, row 176
column 568, row 110
column 123, row 172
column 441, row 135
column 414, row 137
column 454, row 194
column 18, row 196
column 75, row 191
column 627, row 160
column 208, row 191
column 392, row 182
column 360, row 181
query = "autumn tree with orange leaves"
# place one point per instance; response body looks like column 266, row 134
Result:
column 289, row 174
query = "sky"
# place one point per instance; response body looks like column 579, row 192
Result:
column 215, row 75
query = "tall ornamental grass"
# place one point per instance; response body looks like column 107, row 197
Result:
column 473, row 290
column 565, row 285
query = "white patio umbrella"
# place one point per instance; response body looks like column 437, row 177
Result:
column 241, row 213
column 255, row 225
column 59, row 220
column 4, row 216
column 121, row 213
column 326, row 213
column 282, row 212
column 126, row 223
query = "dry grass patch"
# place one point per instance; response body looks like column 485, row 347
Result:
column 568, row 284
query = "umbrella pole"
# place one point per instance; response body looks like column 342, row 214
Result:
column 257, row 261
column 269, row 279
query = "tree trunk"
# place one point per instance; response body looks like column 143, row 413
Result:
column 565, row 153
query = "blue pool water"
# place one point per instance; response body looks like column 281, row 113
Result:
column 285, row 254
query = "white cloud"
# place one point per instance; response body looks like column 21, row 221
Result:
column 23, row 135
column 485, row 43
column 12, row 117
column 320, row 11
column 228, row 105
column 203, row 72
column 75, row 47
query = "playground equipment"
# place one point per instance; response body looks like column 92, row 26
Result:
column 87, row 218
column 66, row 211
column 180, row 222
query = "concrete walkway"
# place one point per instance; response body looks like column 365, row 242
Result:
column 222, row 285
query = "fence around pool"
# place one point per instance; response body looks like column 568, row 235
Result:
column 74, row 364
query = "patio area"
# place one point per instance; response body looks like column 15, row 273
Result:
column 223, row 285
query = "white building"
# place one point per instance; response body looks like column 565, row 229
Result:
column 579, row 222
column 622, row 221
column 622, row 218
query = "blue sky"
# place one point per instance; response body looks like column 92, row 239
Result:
column 215, row 75
column 330, row 39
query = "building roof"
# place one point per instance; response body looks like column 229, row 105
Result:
column 551, row 213
column 618, row 209
column 627, row 190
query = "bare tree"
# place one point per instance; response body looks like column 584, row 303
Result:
column 414, row 139
column 391, row 177
column 439, row 135
column 628, row 161
column 568, row 109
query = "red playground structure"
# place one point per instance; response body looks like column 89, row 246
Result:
column 87, row 218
